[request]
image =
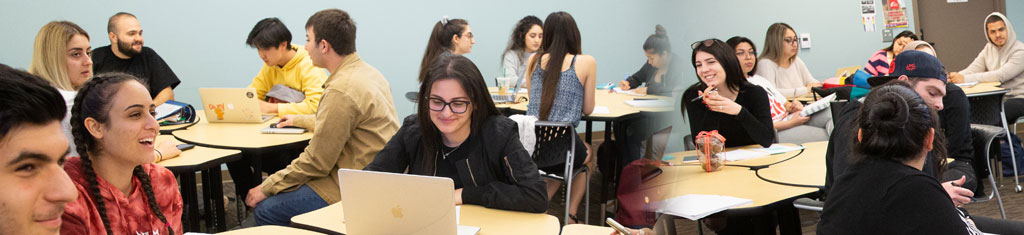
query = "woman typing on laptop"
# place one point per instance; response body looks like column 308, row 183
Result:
column 458, row 133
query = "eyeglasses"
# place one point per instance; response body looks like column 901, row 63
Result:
column 707, row 43
column 456, row 106
column 790, row 40
column 752, row 53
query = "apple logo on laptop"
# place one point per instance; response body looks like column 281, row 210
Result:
column 397, row 212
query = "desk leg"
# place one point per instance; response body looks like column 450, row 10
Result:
column 207, row 197
column 217, row 194
column 589, row 132
column 190, row 198
column 789, row 220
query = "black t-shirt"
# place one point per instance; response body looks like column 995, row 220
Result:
column 446, row 165
column 752, row 125
column 888, row 197
column 147, row 66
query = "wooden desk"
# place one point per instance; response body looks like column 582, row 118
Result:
column 241, row 136
column 984, row 88
column 269, row 230
column 574, row 229
column 330, row 219
column 616, row 104
column 207, row 161
column 806, row 169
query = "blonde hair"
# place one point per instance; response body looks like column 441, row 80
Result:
column 48, row 54
column 773, row 43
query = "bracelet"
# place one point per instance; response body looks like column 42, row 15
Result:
column 160, row 156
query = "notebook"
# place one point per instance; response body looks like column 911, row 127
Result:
column 391, row 203
column 819, row 105
column 233, row 105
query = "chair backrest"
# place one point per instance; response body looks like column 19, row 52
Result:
column 835, row 107
column 554, row 140
column 987, row 109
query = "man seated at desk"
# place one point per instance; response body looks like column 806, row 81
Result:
column 1002, row 60
column 294, row 84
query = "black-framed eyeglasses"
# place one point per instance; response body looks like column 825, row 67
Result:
column 790, row 40
column 456, row 106
column 706, row 42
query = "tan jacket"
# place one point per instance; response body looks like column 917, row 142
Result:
column 356, row 118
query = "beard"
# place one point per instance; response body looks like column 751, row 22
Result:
column 126, row 48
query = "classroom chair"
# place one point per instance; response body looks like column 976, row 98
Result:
column 553, row 139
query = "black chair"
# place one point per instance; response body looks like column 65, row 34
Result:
column 554, row 139
column 985, row 144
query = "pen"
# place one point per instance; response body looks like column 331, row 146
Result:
column 702, row 96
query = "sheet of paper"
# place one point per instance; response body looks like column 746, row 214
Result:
column 457, row 210
column 600, row 110
column 627, row 92
column 655, row 103
column 778, row 148
column 697, row 206
column 743, row 154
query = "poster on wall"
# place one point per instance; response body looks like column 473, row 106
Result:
column 867, row 15
column 895, row 15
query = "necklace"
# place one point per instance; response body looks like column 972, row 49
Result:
column 445, row 155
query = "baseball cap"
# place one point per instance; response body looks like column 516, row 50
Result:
column 913, row 64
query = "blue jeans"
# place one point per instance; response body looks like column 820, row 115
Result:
column 279, row 209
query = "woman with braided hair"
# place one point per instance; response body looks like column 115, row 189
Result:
column 120, row 190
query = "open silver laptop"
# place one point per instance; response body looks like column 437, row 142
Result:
column 509, row 97
column 237, row 105
column 390, row 203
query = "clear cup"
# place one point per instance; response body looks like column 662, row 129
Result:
column 504, row 85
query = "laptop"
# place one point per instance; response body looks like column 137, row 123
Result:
column 509, row 97
column 232, row 105
column 391, row 203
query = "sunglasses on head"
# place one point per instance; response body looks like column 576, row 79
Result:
column 706, row 43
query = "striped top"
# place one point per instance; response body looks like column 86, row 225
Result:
column 878, row 64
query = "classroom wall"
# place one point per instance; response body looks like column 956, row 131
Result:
column 204, row 41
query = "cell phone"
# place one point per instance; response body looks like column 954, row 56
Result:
column 644, row 98
column 618, row 227
column 184, row 147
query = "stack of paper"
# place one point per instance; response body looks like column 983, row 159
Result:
column 697, row 206
column 627, row 92
column 744, row 154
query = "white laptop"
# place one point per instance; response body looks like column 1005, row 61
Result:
column 235, row 105
column 390, row 203
column 511, row 96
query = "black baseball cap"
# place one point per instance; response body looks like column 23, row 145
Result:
column 913, row 64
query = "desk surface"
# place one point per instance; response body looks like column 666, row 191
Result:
column 490, row 221
column 806, row 169
column 574, row 229
column 616, row 105
column 733, row 181
column 236, row 135
column 269, row 230
column 195, row 157
column 984, row 88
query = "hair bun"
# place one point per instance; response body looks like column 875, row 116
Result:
column 659, row 30
column 889, row 114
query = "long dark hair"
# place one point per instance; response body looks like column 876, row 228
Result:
column 440, row 40
column 904, row 34
column 517, row 41
column 725, row 56
column 894, row 121
column 561, row 36
column 460, row 69
column 658, row 42
column 735, row 41
column 93, row 101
